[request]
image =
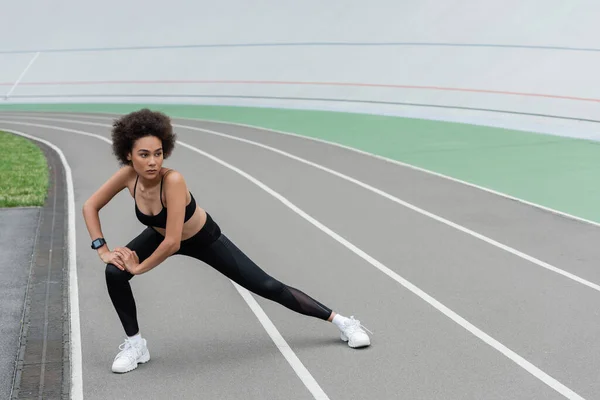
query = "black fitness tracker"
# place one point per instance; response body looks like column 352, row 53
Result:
column 96, row 244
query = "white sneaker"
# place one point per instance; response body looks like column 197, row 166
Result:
column 130, row 356
column 353, row 333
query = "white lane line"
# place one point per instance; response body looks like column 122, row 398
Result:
column 75, row 330
column 386, row 159
column 291, row 357
column 382, row 193
column 510, row 354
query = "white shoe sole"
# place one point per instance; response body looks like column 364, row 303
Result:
column 356, row 344
column 143, row 359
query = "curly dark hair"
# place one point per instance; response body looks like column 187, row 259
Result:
column 129, row 128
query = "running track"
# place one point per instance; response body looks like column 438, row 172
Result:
column 469, row 295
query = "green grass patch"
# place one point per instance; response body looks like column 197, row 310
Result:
column 24, row 172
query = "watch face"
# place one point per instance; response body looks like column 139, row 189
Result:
column 97, row 243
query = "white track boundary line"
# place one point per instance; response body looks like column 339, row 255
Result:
column 75, row 330
column 21, row 76
column 516, row 358
column 386, row 159
column 382, row 193
column 291, row 357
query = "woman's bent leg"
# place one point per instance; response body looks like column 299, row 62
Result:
column 119, row 290
column 134, row 350
column 117, row 281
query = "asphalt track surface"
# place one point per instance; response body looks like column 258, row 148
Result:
column 17, row 247
column 469, row 295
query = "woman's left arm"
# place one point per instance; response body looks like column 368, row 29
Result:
column 176, row 195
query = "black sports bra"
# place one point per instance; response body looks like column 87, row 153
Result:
column 160, row 220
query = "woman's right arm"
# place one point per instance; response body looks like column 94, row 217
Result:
column 99, row 199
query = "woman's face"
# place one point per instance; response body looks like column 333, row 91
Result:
column 147, row 156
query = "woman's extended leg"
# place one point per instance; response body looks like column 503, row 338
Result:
column 134, row 350
column 227, row 258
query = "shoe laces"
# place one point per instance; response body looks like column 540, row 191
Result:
column 128, row 349
column 353, row 325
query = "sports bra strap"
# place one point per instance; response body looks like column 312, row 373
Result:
column 161, row 185
column 135, row 185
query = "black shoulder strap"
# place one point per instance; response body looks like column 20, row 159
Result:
column 135, row 186
column 161, row 185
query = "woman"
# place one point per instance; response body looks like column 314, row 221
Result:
column 142, row 140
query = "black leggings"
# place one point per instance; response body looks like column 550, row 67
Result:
column 215, row 249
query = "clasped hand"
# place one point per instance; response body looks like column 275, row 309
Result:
column 123, row 258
